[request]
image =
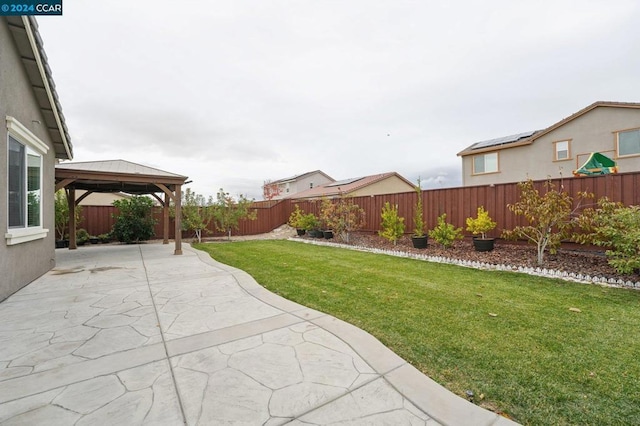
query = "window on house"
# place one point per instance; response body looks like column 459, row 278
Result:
column 310, row 185
column 286, row 188
column 485, row 163
column 629, row 142
column 562, row 150
column 24, row 184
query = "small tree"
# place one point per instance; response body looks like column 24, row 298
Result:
column 62, row 214
column 270, row 190
column 134, row 221
column 392, row 224
column 296, row 218
column 445, row 233
column 481, row 224
column 343, row 216
column 227, row 212
column 549, row 217
column 197, row 213
column 418, row 221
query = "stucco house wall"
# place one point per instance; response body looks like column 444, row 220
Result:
column 23, row 262
column 593, row 131
column 390, row 185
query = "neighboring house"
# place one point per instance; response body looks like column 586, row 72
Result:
column 289, row 187
column 33, row 136
column 385, row 183
column 611, row 128
column 101, row 198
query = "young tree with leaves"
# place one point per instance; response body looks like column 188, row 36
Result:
column 548, row 215
column 343, row 216
column 270, row 190
column 392, row 224
column 228, row 212
column 197, row 213
column 62, row 214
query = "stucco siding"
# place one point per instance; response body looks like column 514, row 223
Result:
column 22, row 263
column 391, row 185
column 593, row 131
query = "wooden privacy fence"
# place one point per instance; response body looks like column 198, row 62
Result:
column 457, row 203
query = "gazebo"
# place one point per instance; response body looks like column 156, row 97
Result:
column 121, row 176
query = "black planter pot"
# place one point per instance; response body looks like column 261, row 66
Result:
column 319, row 233
column 419, row 242
column 300, row 232
column 94, row 240
column 328, row 234
column 483, row 244
column 60, row 244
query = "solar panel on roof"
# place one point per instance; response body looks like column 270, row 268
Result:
column 343, row 182
column 503, row 140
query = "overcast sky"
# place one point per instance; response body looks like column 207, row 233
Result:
column 231, row 93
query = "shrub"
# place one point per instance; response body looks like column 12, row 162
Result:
column 62, row 214
column 309, row 221
column 134, row 222
column 392, row 224
column 197, row 213
column 296, row 218
column 343, row 216
column 614, row 226
column 445, row 233
column 82, row 236
column 481, row 224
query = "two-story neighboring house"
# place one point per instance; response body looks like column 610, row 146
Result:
column 611, row 128
column 33, row 136
column 288, row 187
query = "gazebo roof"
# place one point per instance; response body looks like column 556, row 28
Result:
column 116, row 176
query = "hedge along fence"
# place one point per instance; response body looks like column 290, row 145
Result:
column 457, row 203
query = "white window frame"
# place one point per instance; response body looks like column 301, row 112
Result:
column 618, row 143
column 35, row 147
column 484, row 156
column 557, row 151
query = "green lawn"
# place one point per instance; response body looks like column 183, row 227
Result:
column 536, row 361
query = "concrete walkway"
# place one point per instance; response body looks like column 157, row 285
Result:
column 131, row 334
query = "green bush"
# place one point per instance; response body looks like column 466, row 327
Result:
column 445, row 233
column 134, row 222
column 616, row 227
column 392, row 224
column 82, row 236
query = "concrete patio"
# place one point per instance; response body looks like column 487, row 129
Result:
column 131, row 334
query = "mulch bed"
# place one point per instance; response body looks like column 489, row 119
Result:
column 571, row 258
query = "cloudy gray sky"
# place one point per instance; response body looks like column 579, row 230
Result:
column 231, row 93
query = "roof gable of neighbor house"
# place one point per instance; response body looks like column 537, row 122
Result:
column 527, row 138
column 302, row 176
column 350, row 186
column 31, row 49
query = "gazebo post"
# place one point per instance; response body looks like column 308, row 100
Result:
column 178, row 203
column 71, row 199
column 165, row 218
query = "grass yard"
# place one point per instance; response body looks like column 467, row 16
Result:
column 536, row 360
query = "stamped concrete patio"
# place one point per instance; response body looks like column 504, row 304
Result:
column 131, row 334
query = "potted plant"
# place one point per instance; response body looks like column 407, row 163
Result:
column 481, row 224
column 93, row 239
column 296, row 220
column 419, row 238
column 82, row 236
column 445, row 233
column 309, row 222
column 104, row 238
